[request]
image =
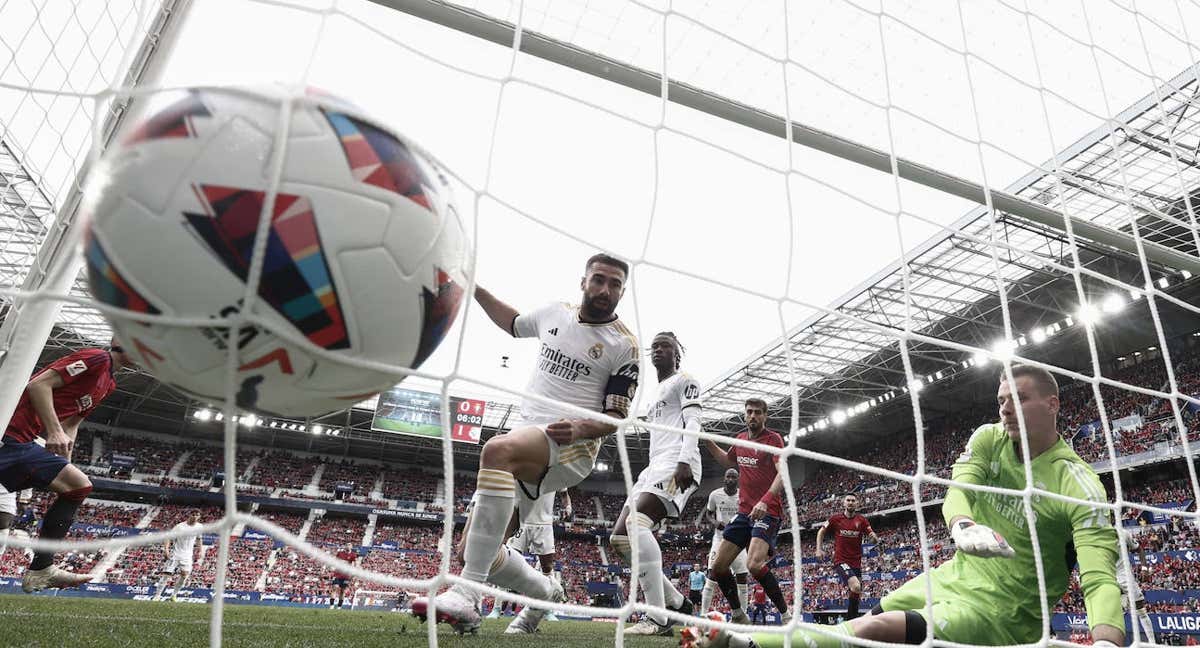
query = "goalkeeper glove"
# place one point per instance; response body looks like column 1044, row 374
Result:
column 978, row 540
column 1104, row 643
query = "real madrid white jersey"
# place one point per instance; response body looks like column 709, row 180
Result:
column 723, row 505
column 675, row 394
column 542, row 511
column 184, row 547
column 593, row 366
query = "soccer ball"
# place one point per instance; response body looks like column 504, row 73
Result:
column 365, row 255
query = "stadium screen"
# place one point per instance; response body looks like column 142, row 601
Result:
column 418, row 413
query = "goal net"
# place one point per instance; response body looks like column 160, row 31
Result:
column 863, row 213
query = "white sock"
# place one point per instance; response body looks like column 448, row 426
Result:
column 1147, row 626
column 671, row 595
column 495, row 491
column 650, row 566
column 162, row 585
column 710, row 588
column 511, row 572
column 743, row 593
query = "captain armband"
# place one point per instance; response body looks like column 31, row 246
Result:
column 618, row 393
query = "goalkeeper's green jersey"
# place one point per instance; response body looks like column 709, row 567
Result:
column 1008, row 588
column 996, row 601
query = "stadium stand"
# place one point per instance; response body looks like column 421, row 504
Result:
column 337, row 530
column 404, row 547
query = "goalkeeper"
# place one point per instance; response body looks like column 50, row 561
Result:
column 988, row 593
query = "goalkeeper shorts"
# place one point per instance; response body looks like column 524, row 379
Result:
column 955, row 617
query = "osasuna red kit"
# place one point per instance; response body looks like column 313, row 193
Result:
column 88, row 379
column 848, row 535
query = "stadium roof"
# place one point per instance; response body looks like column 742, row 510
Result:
column 25, row 212
column 1153, row 148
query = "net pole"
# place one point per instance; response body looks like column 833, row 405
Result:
column 29, row 322
column 477, row 24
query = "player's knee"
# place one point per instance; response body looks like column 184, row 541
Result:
column 757, row 565
column 893, row 627
column 77, row 494
column 497, row 452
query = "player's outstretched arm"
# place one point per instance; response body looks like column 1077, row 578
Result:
column 501, row 314
column 1096, row 550
column 723, row 457
column 820, row 540
column 41, row 396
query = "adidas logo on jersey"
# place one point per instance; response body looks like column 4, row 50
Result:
column 553, row 331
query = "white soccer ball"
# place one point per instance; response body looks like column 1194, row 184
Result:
column 365, row 256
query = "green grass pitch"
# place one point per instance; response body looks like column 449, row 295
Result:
column 47, row 622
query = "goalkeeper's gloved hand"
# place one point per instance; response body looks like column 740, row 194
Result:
column 978, row 540
column 1104, row 643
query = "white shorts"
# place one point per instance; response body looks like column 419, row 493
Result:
column 176, row 564
column 738, row 566
column 568, row 465
column 1123, row 583
column 533, row 539
column 8, row 502
column 659, row 479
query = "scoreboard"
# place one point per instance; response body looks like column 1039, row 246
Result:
column 418, row 413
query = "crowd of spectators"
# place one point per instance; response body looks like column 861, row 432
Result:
column 337, row 530
column 406, row 564
column 171, row 514
column 361, row 476
column 206, row 460
column 415, row 485
column 109, row 514
column 610, row 504
column 407, row 536
column 292, row 522
column 153, row 457
column 295, row 575
column 280, row 469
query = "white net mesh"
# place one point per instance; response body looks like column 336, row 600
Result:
column 756, row 163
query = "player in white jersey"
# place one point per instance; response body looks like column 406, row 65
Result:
column 722, row 508
column 177, row 569
column 586, row 358
column 663, row 487
column 1127, row 580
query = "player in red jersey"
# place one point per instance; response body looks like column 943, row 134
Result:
column 54, row 403
column 760, row 511
column 848, row 528
column 758, row 605
column 341, row 580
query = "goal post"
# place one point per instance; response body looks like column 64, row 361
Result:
column 492, row 29
column 29, row 319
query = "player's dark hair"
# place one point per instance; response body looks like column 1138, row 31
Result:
column 854, row 495
column 1046, row 384
column 606, row 260
column 757, row 402
column 679, row 350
